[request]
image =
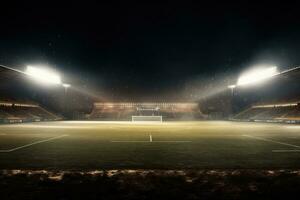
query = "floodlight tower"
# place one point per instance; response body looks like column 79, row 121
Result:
column 42, row 75
column 253, row 77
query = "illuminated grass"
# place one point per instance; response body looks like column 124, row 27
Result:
column 89, row 145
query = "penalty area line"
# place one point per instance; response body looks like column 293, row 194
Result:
column 273, row 141
column 31, row 144
column 3, row 133
column 162, row 141
column 286, row 151
column 171, row 141
column 131, row 141
column 150, row 141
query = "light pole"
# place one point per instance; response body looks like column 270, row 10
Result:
column 232, row 89
column 66, row 86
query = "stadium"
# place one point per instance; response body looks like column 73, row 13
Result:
column 150, row 102
column 128, row 135
column 221, row 132
column 208, row 134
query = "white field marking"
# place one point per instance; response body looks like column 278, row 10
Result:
column 31, row 144
column 292, row 127
column 286, row 151
column 273, row 141
column 172, row 141
column 141, row 141
column 150, row 140
column 55, row 126
column 130, row 141
column 292, row 137
column 19, row 134
column 3, row 133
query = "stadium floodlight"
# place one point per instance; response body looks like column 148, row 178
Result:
column 43, row 75
column 257, row 75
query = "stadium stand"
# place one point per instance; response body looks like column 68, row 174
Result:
column 13, row 112
column 287, row 112
column 20, row 99
column 124, row 111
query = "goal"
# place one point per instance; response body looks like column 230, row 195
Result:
column 146, row 118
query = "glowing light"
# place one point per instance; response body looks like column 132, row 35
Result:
column 66, row 85
column 43, row 75
column 257, row 75
column 231, row 86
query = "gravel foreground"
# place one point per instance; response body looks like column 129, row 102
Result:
column 150, row 184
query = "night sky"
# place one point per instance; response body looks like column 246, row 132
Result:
column 150, row 51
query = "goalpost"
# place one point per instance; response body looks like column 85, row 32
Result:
column 146, row 118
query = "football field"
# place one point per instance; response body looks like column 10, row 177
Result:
column 90, row 145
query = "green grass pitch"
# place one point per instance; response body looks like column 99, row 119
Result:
column 88, row 145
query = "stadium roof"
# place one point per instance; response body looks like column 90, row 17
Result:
column 7, row 74
column 294, row 72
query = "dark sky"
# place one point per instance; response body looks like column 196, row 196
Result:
column 152, row 51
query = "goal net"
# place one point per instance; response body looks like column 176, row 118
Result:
column 146, row 118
